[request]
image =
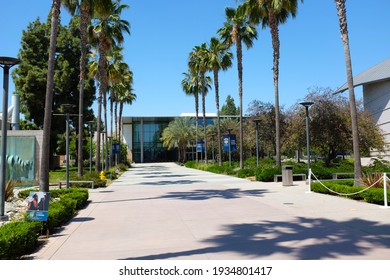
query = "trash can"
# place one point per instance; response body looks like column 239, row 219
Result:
column 287, row 175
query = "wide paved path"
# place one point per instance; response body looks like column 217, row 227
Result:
column 166, row 211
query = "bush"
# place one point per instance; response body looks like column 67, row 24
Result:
column 245, row 172
column 95, row 177
column 372, row 195
column 79, row 195
column 266, row 173
column 60, row 212
column 18, row 239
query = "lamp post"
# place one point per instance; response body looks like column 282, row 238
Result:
column 257, row 140
column 6, row 63
column 102, row 134
column 90, row 145
column 212, row 146
column 307, row 104
column 230, row 148
column 67, row 108
column 109, row 152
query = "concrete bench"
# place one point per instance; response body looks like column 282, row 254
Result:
column 302, row 176
column 77, row 182
column 335, row 175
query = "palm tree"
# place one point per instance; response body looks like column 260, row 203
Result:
column 86, row 9
column 190, row 86
column 108, row 31
column 342, row 15
column 198, row 61
column 220, row 58
column 178, row 132
column 272, row 13
column 237, row 29
column 45, row 157
column 126, row 96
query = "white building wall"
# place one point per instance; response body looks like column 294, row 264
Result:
column 376, row 99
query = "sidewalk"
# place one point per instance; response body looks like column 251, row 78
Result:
column 166, row 211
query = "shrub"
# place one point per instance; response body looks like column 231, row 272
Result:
column 190, row 164
column 95, row 177
column 18, row 238
column 266, row 173
column 60, row 212
column 372, row 195
column 245, row 172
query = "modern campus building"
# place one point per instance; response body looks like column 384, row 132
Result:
column 376, row 97
column 143, row 137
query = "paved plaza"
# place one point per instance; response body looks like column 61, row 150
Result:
column 166, row 211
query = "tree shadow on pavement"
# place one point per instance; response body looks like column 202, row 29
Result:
column 200, row 194
column 301, row 239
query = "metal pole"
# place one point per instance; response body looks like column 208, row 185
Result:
column 90, row 148
column 4, row 128
column 307, row 137
column 212, row 147
column 67, row 150
column 230, row 151
column 307, row 104
column 257, row 144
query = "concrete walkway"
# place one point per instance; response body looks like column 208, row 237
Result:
column 166, row 211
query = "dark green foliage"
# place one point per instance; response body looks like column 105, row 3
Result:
column 60, row 212
column 245, row 172
column 372, row 195
column 18, row 239
column 190, row 164
column 92, row 176
column 266, row 173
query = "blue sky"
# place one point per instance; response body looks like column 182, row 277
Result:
column 164, row 32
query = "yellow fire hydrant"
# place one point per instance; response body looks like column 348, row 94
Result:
column 102, row 177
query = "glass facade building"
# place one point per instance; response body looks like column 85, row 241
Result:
column 143, row 138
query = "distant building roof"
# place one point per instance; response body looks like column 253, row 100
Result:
column 379, row 72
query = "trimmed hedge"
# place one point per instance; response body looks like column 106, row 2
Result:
column 18, row 239
column 372, row 195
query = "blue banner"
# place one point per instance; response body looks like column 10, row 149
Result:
column 116, row 148
column 232, row 143
column 200, row 146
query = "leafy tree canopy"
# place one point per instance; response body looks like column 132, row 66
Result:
column 229, row 108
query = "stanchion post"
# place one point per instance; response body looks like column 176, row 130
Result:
column 309, row 181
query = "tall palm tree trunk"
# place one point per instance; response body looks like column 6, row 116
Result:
column 240, row 70
column 84, row 21
column 120, row 127
column 102, row 77
column 216, row 84
column 276, row 49
column 105, row 155
column 196, row 124
column 204, row 115
column 342, row 15
column 45, row 157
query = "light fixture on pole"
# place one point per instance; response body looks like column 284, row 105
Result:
column 256, row 121
column 212, row 146
column 6, row 63
column 90, row 123
column 307, row 104
column 67, row 108
column 230, row 148
column 102, row 135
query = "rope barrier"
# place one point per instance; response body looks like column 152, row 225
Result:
column 384, row 178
